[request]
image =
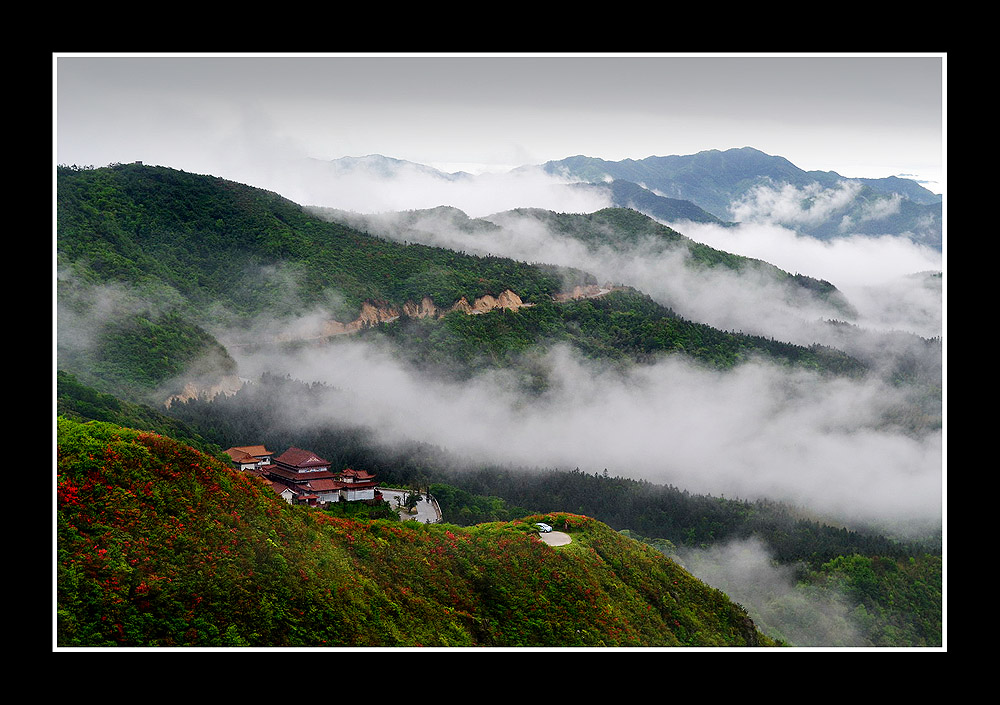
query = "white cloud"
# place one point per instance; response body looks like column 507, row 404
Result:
column 873, row 272
column 876, row 273
column 882, row 207
column 792, row 205
column 757, row 431
column 746, row 572
column 410, row 187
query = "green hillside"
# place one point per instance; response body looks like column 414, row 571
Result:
column 81, row 403
column 150, row 260
column 893, row 589
column 150, row 252
column 622, row 230
column 213, row 241
column 629, row 231
column 624, row 325
column 153, row 262
column 160, row 545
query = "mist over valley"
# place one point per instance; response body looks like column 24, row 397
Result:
column 641, row 350
column 835, row 445
column 831, row 404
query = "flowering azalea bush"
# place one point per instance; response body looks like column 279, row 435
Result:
column 160, row 545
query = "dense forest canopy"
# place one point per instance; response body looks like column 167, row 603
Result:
column 214, row 241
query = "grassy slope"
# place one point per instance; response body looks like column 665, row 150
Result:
column 160, row 545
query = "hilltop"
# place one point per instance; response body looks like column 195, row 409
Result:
column 161, row 545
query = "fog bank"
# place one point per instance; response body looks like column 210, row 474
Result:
column 745, row 571
column 756, row 431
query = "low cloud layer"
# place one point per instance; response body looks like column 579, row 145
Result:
column 409, row 186
column 793, row 205
column 757, row 431
column 878, row 275
column 874, row 272
column 745, row 571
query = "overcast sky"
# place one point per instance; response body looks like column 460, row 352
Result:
column 862, row 116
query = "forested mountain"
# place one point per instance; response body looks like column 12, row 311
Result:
column 209, row 241
column 621, row 232
column 180, row 286
column 717, row 186
column 717, row 177
column 618, row 229
column 161, row 253
column 622, row 193
column 625, row 194
column 153, row 254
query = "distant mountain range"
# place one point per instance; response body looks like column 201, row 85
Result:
column 732, row 186
column 713, row 178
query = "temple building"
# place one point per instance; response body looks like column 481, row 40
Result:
column 249, row 457
column 302, row 477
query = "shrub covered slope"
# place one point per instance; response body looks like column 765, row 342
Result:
column 161, row 545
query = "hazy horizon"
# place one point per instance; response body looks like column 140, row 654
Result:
column 253, row 118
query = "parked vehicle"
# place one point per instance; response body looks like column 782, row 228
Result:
column 544, row 528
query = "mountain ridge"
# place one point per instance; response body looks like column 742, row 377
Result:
column 199, row 244
column 748, row 159
column 727, row 165
column 748, row 179
column 723, row 187
column 616, row 229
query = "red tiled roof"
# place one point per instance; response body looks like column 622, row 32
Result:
column 253, row 450
column 325, row 484
column 293, row 476
column 279, row 487
column 240, row 456
column 296, row 457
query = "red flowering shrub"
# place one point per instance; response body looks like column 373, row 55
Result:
column 159, row 545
